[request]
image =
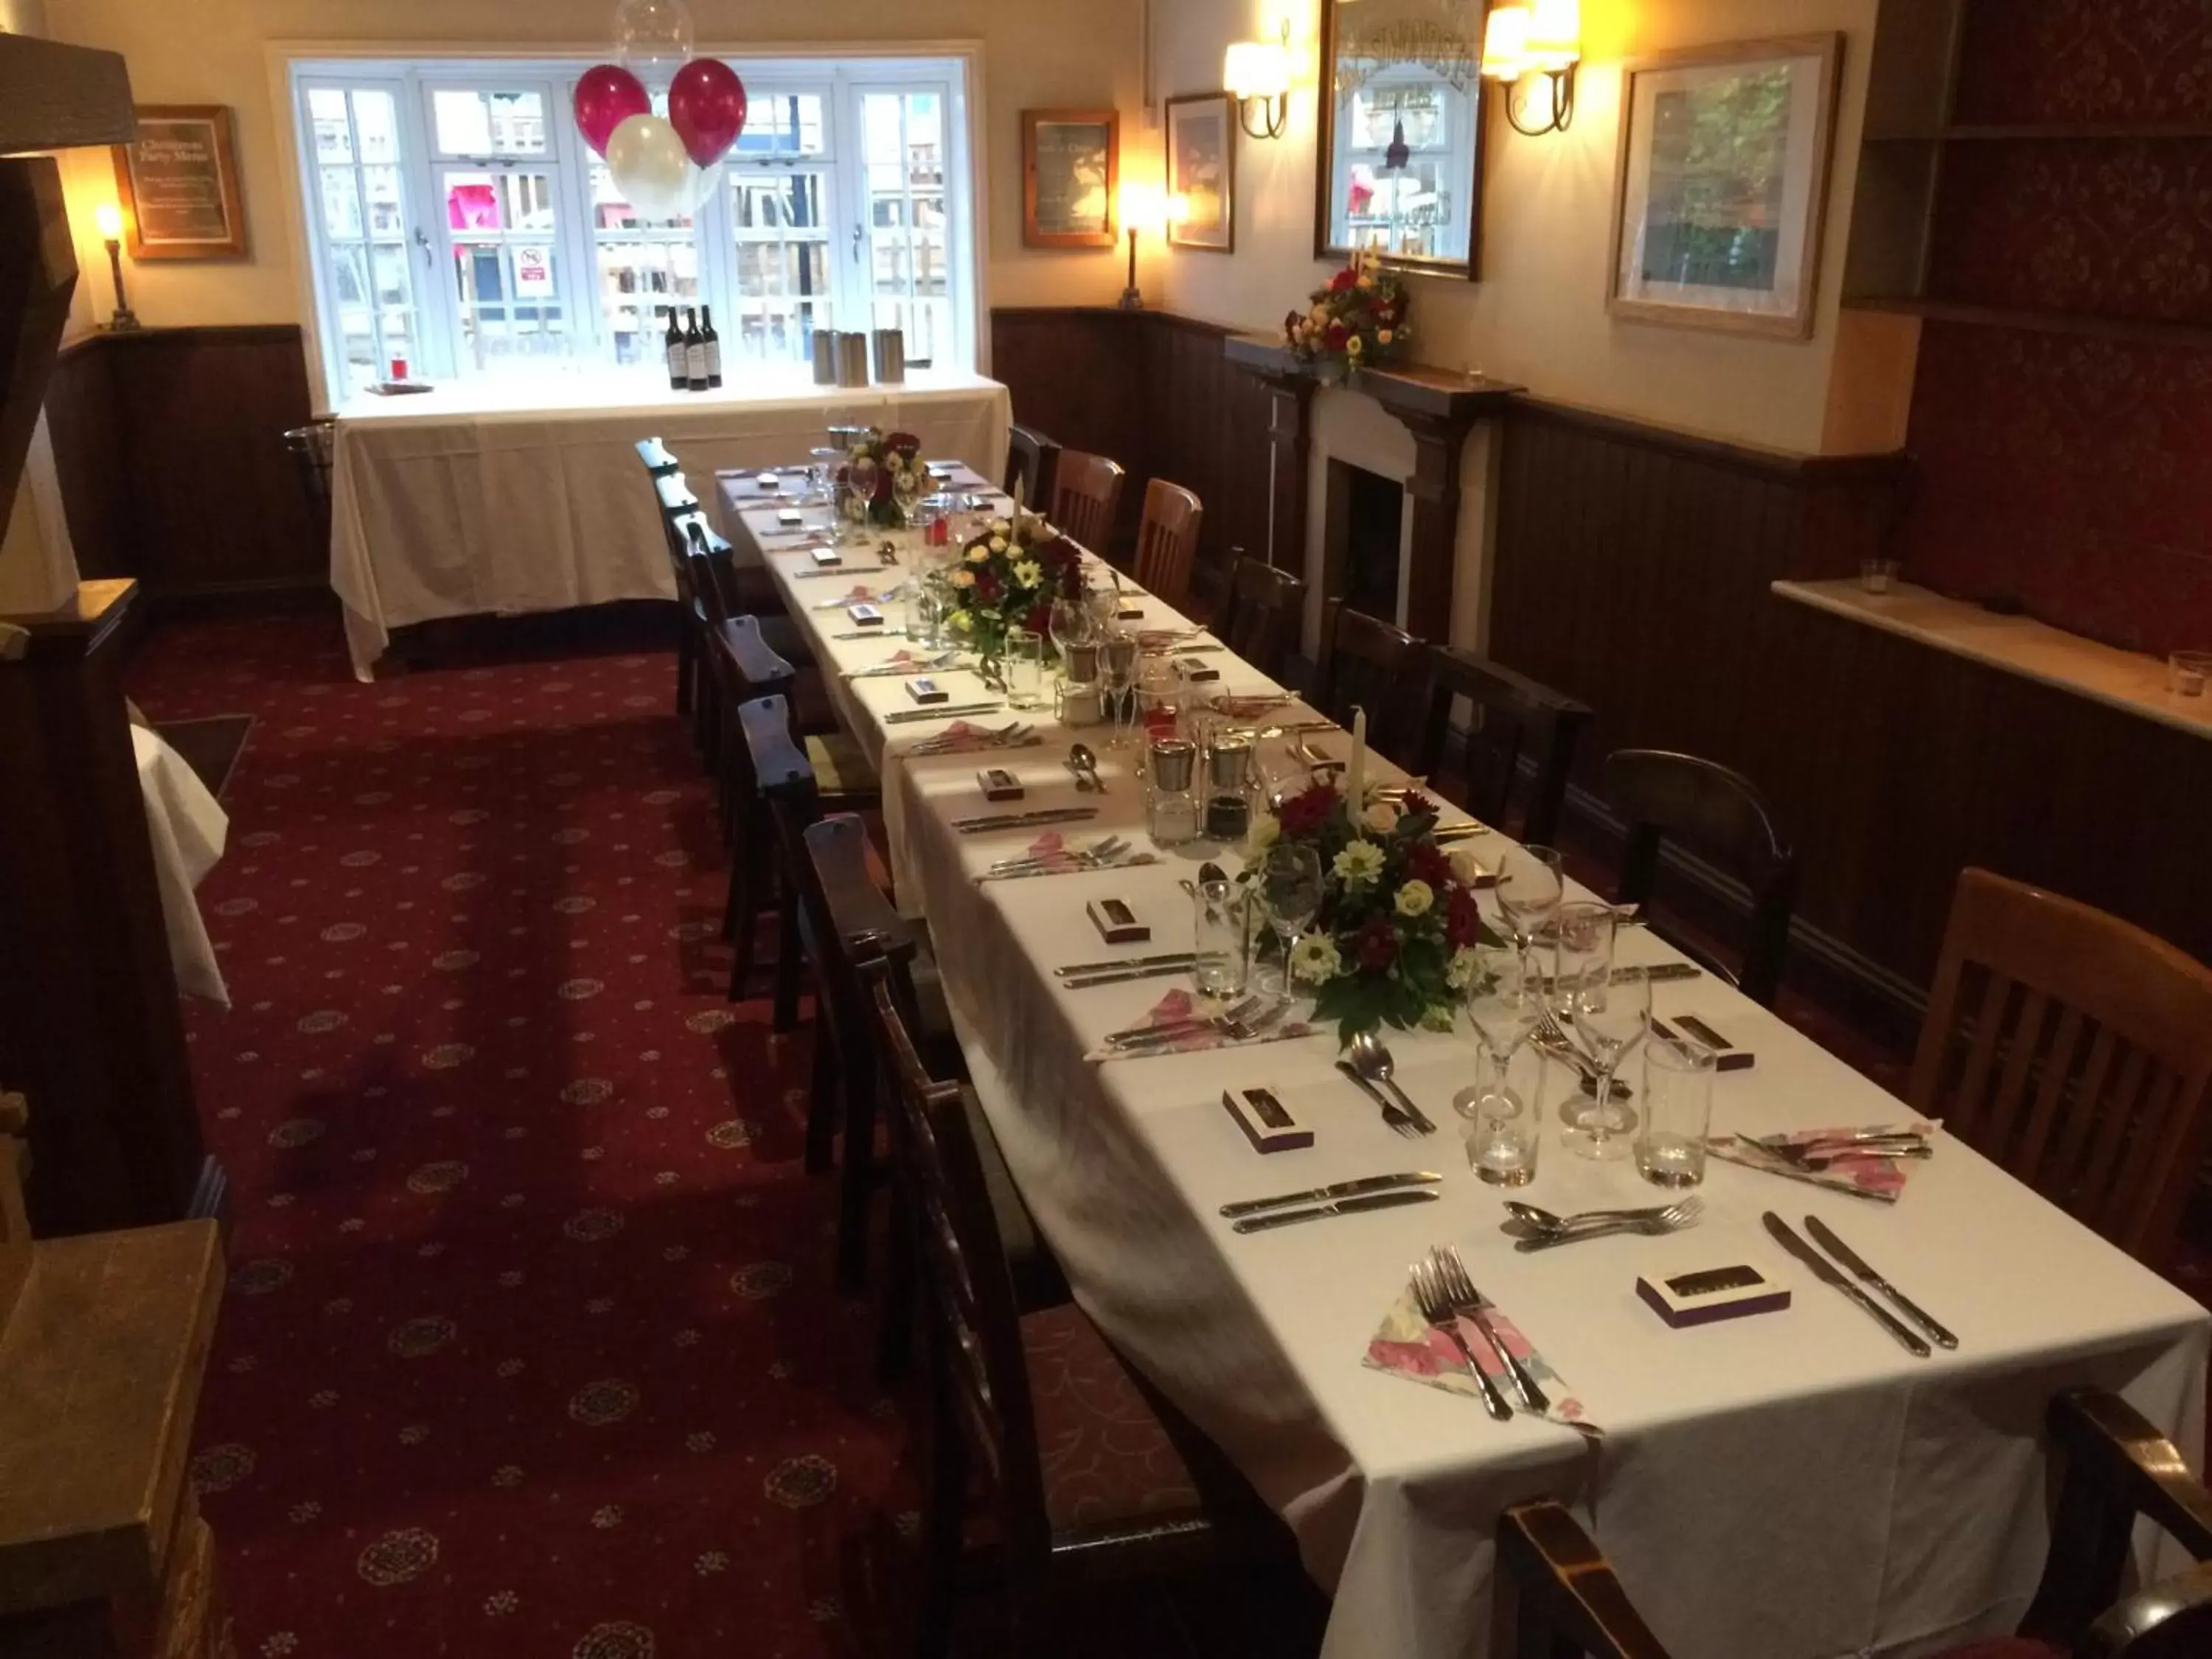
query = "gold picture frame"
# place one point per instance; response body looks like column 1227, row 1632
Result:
column 1071, row 178
column 178, row 182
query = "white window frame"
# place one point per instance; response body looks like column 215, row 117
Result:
column 954, row 69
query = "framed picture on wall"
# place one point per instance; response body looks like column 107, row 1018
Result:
column 1723, row 185
column 178, row 184
column 1071, row 174
column 1202, row 171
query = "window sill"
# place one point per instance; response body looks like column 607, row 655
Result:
column 2130, row 681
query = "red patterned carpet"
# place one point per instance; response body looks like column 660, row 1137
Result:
column 530, row 1345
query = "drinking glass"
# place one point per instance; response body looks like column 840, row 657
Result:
column 1529, row 889
column 1502, row 1006
column 1104, row 603
column 927, row 593
column 1024, row 666
column 1117, row 664
column 1606, row 1019
column 823, row 463
column 1159, row 688
column 1224, row 939
column 908, row 488
column 1070, row 625
column 1504, row 1130
column 1290, row 889
column 1677, row 1111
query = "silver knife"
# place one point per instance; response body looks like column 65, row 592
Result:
column 1828, row 1273
column 1851, row 1258
column 1380, row 1184
column 1076, row 970
column 1092, row 982
column 906, row 716
column 1389, row 1201
column 1789, row 1171
column 1020, row 820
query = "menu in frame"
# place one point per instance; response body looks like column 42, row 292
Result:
column 178, row 183
column 1070, row 172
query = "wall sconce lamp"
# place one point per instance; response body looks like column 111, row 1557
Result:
column 1146, row 207
column 109, row 218
column 1257, row 74
column 1544, row 38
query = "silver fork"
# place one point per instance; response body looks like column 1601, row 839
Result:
column 1436, row 1308
column 1466, row 1301
column 1089, row 857
column 998, row 740
column 1240, row 1023
column 1394, row 1115
column 1673, row 1218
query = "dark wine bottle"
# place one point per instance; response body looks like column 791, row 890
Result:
column 714, row 345
column 695, row 352
column 672, row 341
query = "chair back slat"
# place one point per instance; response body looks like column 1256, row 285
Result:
column 780, row 765
column 1367, row 664
column 675, row 495
column 1032, row 467
column 1513, row 715
column 1167, row 540
column 757, row 670
column 658, row 460
column 1086, row 495
column 1260, row 617
column 2115, row 1136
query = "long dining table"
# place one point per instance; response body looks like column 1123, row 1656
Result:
column 1793, row 1485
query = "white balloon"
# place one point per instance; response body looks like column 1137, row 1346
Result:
column 650, row 167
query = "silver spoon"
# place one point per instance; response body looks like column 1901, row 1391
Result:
column 1084, row 761
column 1674, row 1218
column 1372, row 1061
column 1544, row 1221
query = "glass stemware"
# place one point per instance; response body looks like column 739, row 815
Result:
column 1069, row 624
column 1290, row 892
column 1530, row 886
column 1503, row 1005
column 823, row 463
column 1608, row 1017
column 1117, row 674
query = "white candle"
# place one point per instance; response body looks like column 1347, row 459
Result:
column 1355, row 776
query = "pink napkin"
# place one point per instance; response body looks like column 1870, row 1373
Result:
column 1407, row 1345
column 1179, row 1007
column 1873, row 1175
column 1247, row 709
column 961, row 738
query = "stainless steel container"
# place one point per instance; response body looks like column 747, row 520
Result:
column 851, row 360
column 890, row 356
column 825, row 357
column 1229, row 764
column 1172, row 812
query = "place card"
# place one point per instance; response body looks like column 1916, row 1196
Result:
column 927, row 691
column 865, row 615
column 1129, row 611
column 767, row 483
column 1117, row 922
column 999, row 784
column 1267, row 1122
column 1711, row 1295
column 1727, row 1057
column 1191, row 671
column 790, row 517
column 827, row 558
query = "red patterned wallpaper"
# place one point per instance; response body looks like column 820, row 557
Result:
column 2086, row 60
column 2073, row 474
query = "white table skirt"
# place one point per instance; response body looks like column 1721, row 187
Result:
column 1791, row 1486
column 188, row 828
column 513, row 497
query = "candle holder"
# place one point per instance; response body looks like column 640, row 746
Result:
column 109, row 218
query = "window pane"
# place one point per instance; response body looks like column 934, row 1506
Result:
column 472, row 123
column 903, row 138
column 342, row 203
column 376, row 125
column 507, row 271
column 781, row 221
column 783, row 124
column 326, row 114
column 387, row 221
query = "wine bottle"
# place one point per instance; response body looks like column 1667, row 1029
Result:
column 695, row 352
column 714, row 345
column 679, row 374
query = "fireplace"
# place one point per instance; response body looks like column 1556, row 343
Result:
column 1362, row 539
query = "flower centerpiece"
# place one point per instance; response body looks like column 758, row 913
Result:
column 1006, row 578
column 881, row 477
column 1358, row 317
column 1395, row 943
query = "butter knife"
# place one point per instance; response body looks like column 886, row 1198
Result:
column 1828, row 1273
column 1092, row 982
column 1825, row 1236
column 1389, row 1201
column 1380, row 1184
column 1081, row 969
column 948, row 711
column 1021, row 820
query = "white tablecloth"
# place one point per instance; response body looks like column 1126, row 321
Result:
column 1787, row 1487
column 188, row 828
column 506, row 497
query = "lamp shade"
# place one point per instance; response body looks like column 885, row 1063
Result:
column 1555, row 34
column 1505, row 44
column 1143, row 207
column 109, row 218
column 1256, row 69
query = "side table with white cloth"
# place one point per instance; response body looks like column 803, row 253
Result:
column 1790, row 1486
column 188, row 828
column 510, row 496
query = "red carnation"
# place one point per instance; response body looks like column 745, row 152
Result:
column 1343, row 282
column 904, row 445
column 1305, row 813
column 1417, row 804
column 1040, row 618
column 1338, row 334
column 1462, row 919
column 1426, row 861
column 1377, row 946
column 987, row 586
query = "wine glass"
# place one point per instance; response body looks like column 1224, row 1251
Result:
column 1069, row 624
column 823, row 463
column 1610, row 1016
column 1290, row 891
column 1529, row 889
column 1503, row 1005
column 1117, row 676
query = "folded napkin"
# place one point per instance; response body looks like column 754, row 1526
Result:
column 961, row 738
column 1249, row 709
column 1407, row 1345
column 861, row 594
column 1178, row 1007
column 1867, row 1174
column 1053, row 856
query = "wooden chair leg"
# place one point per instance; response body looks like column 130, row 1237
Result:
column 687, row 663
column 788, row 961
column 943, row 1509
column 822, row 1106
column 748, row 870
column 895, row 1337
column 859, row 1179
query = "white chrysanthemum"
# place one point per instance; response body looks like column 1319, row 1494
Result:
column 1464, row 969
column 1415, row 897
column 1437, row 1017
column 1382, row 816
column 1359, row 865
column 1315, row 959
column 1029, row 572
column 1267, row 830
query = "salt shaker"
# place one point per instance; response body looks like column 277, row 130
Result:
column 1171, row 795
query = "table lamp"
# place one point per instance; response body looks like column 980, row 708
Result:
column 1146, row 207
column 109, row 218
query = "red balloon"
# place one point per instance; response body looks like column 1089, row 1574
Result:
column 707, row 108
column 607, row 96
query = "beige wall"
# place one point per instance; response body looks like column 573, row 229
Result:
column 1538, row 315
column 1040, row 53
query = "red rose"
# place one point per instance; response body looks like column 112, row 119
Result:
column 1040, row 618
column 1338, row 334
column 1377, row 946
column 987, row 586
column 903, row 444
column 1305, row 813
column 1343, row 282
column 1462, row 919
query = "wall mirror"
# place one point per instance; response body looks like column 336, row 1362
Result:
column 1400, row 140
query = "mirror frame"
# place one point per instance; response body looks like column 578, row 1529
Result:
column 1470, row 268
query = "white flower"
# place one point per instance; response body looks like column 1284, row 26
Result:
column 998, row 543
column 1382, row 818
column 1359, row 865
column 1438, row 1016
column 964, row 579
column 1314, row 959
column 1267, row 830
column 980, row 554
column 1002, row 526
column 1027, row 572
column 1415, row 897
column 1464, row 969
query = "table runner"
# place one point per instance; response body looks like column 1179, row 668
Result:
column 1791, row 1486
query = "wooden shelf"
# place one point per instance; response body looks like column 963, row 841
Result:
column 2083, row 131
column 2139, row 331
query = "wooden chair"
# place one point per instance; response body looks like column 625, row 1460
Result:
column 1720, row 815
column 783, row 783
column 1514, row 715
column 660, row 460
column 1369, row 663
column 2075, row 1049
column 2118, row 1468
column 1261, row 614
column 1083, row 1482
column 1167, row 541
column 1032, row 466
column 1086, row 495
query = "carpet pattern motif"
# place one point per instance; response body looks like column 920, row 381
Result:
column 530, row 1343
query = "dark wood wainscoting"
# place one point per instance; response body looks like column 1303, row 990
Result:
column 1155, row 392
column 1633, row 571
column 170, row 444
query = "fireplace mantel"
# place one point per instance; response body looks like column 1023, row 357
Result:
column 1437, row 406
